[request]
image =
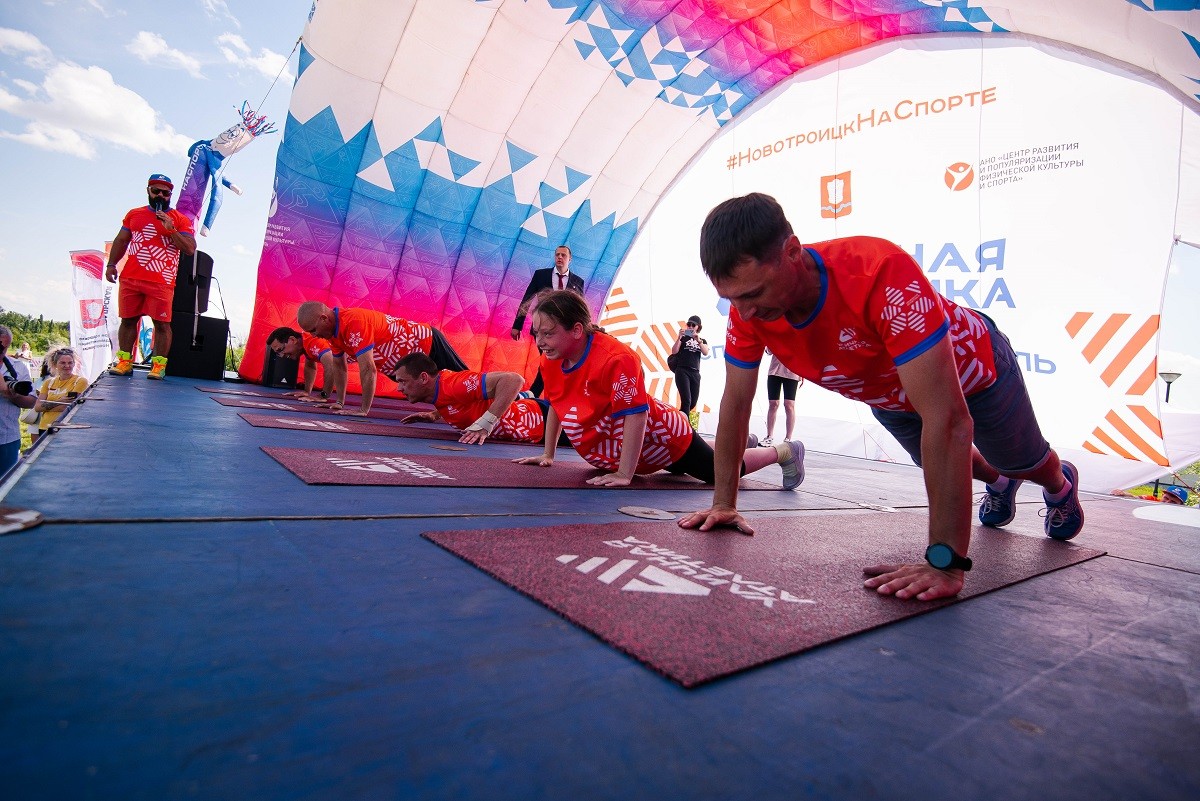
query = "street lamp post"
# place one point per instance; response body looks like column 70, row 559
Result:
column 1170, row 378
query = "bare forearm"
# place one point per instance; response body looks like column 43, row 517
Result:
column 632, row 437
column 733, row 427
column 946, row 458
column 367, row 379
column 310, row 376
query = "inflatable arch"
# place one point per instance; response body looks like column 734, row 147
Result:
column 437, row 151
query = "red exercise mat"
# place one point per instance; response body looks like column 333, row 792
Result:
column 421, row 470
column 289, row 405
column 279, row 395
column 697, row 606
column 355, row 425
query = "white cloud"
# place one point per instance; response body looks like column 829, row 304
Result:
column 30, row 87
column 267, row 63
column 80, row 106
column 241, row 250
column 22, row 43
column 218, row 9
column 153, row 49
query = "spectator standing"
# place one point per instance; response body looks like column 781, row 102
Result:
column 152, row 236
column 686, row 353
column 781, row 381
column 12, row 373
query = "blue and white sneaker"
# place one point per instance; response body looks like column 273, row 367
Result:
column 791, row 459
column 999, row 508
column 1065, row 518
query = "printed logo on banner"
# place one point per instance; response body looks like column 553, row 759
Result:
column 91, row 312
column 669, row 573
column 389, row 465
column 835, row 196
column 959, row 176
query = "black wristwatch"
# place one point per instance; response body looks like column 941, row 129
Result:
column 943, row 557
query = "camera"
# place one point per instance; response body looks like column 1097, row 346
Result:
column 21, row 387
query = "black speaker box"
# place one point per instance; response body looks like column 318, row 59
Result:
column 280, row 371
column 205, row 356
column 192, row 284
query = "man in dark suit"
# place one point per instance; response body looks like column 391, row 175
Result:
column 557, row 277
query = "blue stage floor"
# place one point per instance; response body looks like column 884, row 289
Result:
column 192, row 621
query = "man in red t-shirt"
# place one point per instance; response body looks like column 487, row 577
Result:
column 859, row 317
column 382, row 337
column 152, row 237
column 480, row 405
column 293, row 344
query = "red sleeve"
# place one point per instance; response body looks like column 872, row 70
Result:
column 628, row 386
column 182, row 223
column 908, row 314
column 743, row 348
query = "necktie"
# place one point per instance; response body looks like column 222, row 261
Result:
column 560, row 280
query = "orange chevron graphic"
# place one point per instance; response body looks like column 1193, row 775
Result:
column 1123, row 349
column 652, row 343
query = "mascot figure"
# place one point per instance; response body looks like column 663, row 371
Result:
column 206, row 163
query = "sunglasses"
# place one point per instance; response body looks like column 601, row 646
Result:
column 161, row 192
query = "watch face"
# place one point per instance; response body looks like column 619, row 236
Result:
column 939, row 555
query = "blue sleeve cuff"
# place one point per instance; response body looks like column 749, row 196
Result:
column 742, row 364
column 364, row 350
column 645, row 407
column 924, row 345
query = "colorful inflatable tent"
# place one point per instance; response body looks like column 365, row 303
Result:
column 436, row 151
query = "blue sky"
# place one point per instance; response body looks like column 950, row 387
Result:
column 97, row 94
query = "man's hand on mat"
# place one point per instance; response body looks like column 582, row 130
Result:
column 334, row 405
column 420, row 417
column 722, row 516
column 610, row 480
column 354, row 412
column 923, row 582
column 540, row 461
column 473, row 436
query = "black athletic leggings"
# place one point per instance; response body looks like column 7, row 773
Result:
column 688, row 384
column 697, row 461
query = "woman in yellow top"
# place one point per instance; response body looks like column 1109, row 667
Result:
column 61, row 388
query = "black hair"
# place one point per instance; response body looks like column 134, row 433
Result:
column 749, row 227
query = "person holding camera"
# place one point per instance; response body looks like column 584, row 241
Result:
column 152, row 236
column 685, row 363
column 17, row 390
column 59, row 391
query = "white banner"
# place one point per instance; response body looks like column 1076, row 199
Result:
column 91, row 336
column 1053, row 212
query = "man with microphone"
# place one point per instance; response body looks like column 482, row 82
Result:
column 152, row 236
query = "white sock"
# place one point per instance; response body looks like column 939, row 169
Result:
column 1058, row 496
column 999, row 485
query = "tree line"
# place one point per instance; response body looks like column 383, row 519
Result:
column 41, row 334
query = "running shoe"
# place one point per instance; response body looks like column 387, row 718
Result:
column 999, row 508
column 791, row 459
column 1065, row 518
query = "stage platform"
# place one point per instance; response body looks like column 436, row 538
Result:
column 193, row 621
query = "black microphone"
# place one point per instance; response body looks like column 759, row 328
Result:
column 159, row 204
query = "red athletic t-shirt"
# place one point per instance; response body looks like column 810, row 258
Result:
column 314, row 346
column 389, row 339
column 461, row 398
column 593, row 398
column 151, row 255
column 877, row 310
